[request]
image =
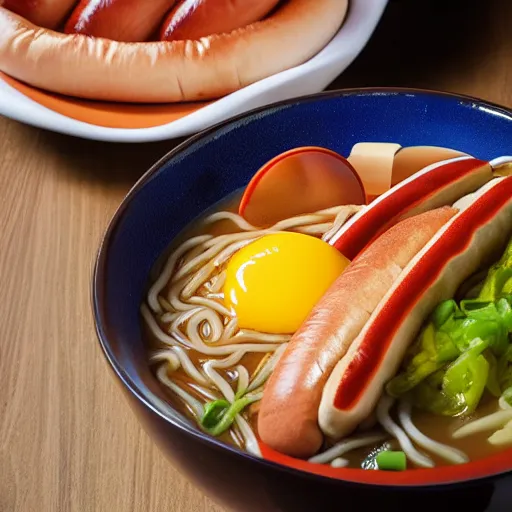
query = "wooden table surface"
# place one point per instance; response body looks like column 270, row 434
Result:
column 68, row 441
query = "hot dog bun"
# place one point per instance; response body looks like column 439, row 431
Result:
column 120, row 20
column 439, row 184
column 44, row 13
column 192, row 19
column 288, row 418
column 102, row 69
column 468, row 241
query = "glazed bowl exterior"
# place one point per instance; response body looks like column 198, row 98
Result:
column 207, row 168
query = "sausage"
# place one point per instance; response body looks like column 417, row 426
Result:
column 208, row 68
column 45, row 13
column 192, row 19
column 437, row 185
column 121, row 20
column 469, row 240
column 288, row 418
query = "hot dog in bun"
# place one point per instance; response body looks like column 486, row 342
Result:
column 189, row 69
column 336, row 366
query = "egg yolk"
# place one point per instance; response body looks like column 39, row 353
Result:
column 273, row 283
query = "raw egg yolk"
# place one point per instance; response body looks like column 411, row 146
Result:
column 273, row 283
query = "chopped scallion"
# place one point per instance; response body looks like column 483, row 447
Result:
column 391, row 461
column 219, row 415
column 213, row 413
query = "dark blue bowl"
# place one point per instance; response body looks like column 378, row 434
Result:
column 199, row 173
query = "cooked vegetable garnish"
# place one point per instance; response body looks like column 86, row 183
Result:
column 505, row 369
column 493, row 383
column 213, row 413
column 220, row 414
column 391, row 461
column 370, row 462
column 507, row 396
column 464, row 380
column 464, row 349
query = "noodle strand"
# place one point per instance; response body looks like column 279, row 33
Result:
column 345, row 446
column 383, row 407
column 168, row 269
column 489, row 422
column 446, row 452
column 195, row 405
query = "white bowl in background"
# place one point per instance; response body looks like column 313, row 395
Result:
column 308, row 78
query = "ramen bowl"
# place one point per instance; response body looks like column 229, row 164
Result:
column 211, row 166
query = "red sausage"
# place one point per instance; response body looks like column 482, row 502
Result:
column 45, row 13
column 192, row 19
column 288, row 418
column 120, row 20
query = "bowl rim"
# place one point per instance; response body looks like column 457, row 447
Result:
column 450, row 475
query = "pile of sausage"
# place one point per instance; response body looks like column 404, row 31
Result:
column 142, row 20
column 160, row 50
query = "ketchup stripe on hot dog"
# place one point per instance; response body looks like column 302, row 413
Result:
column 437, row 185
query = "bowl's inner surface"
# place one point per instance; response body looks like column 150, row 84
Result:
column 211, row 167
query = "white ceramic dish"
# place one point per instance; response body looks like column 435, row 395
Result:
column 17, row 102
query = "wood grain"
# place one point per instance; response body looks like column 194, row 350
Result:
column 68, row 442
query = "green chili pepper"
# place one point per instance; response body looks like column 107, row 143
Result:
column 443, row 312
column 488, row 320
column 507, row 287
column 504, row 309
column 433, row 350
column 457, row 388
column 446, row 348
column 406, row 381
column 497, row 279
column 467, row 376
column 493, row 381
column 431, row 398
column 476, row 308
column 451, row 335
column 505, row 369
